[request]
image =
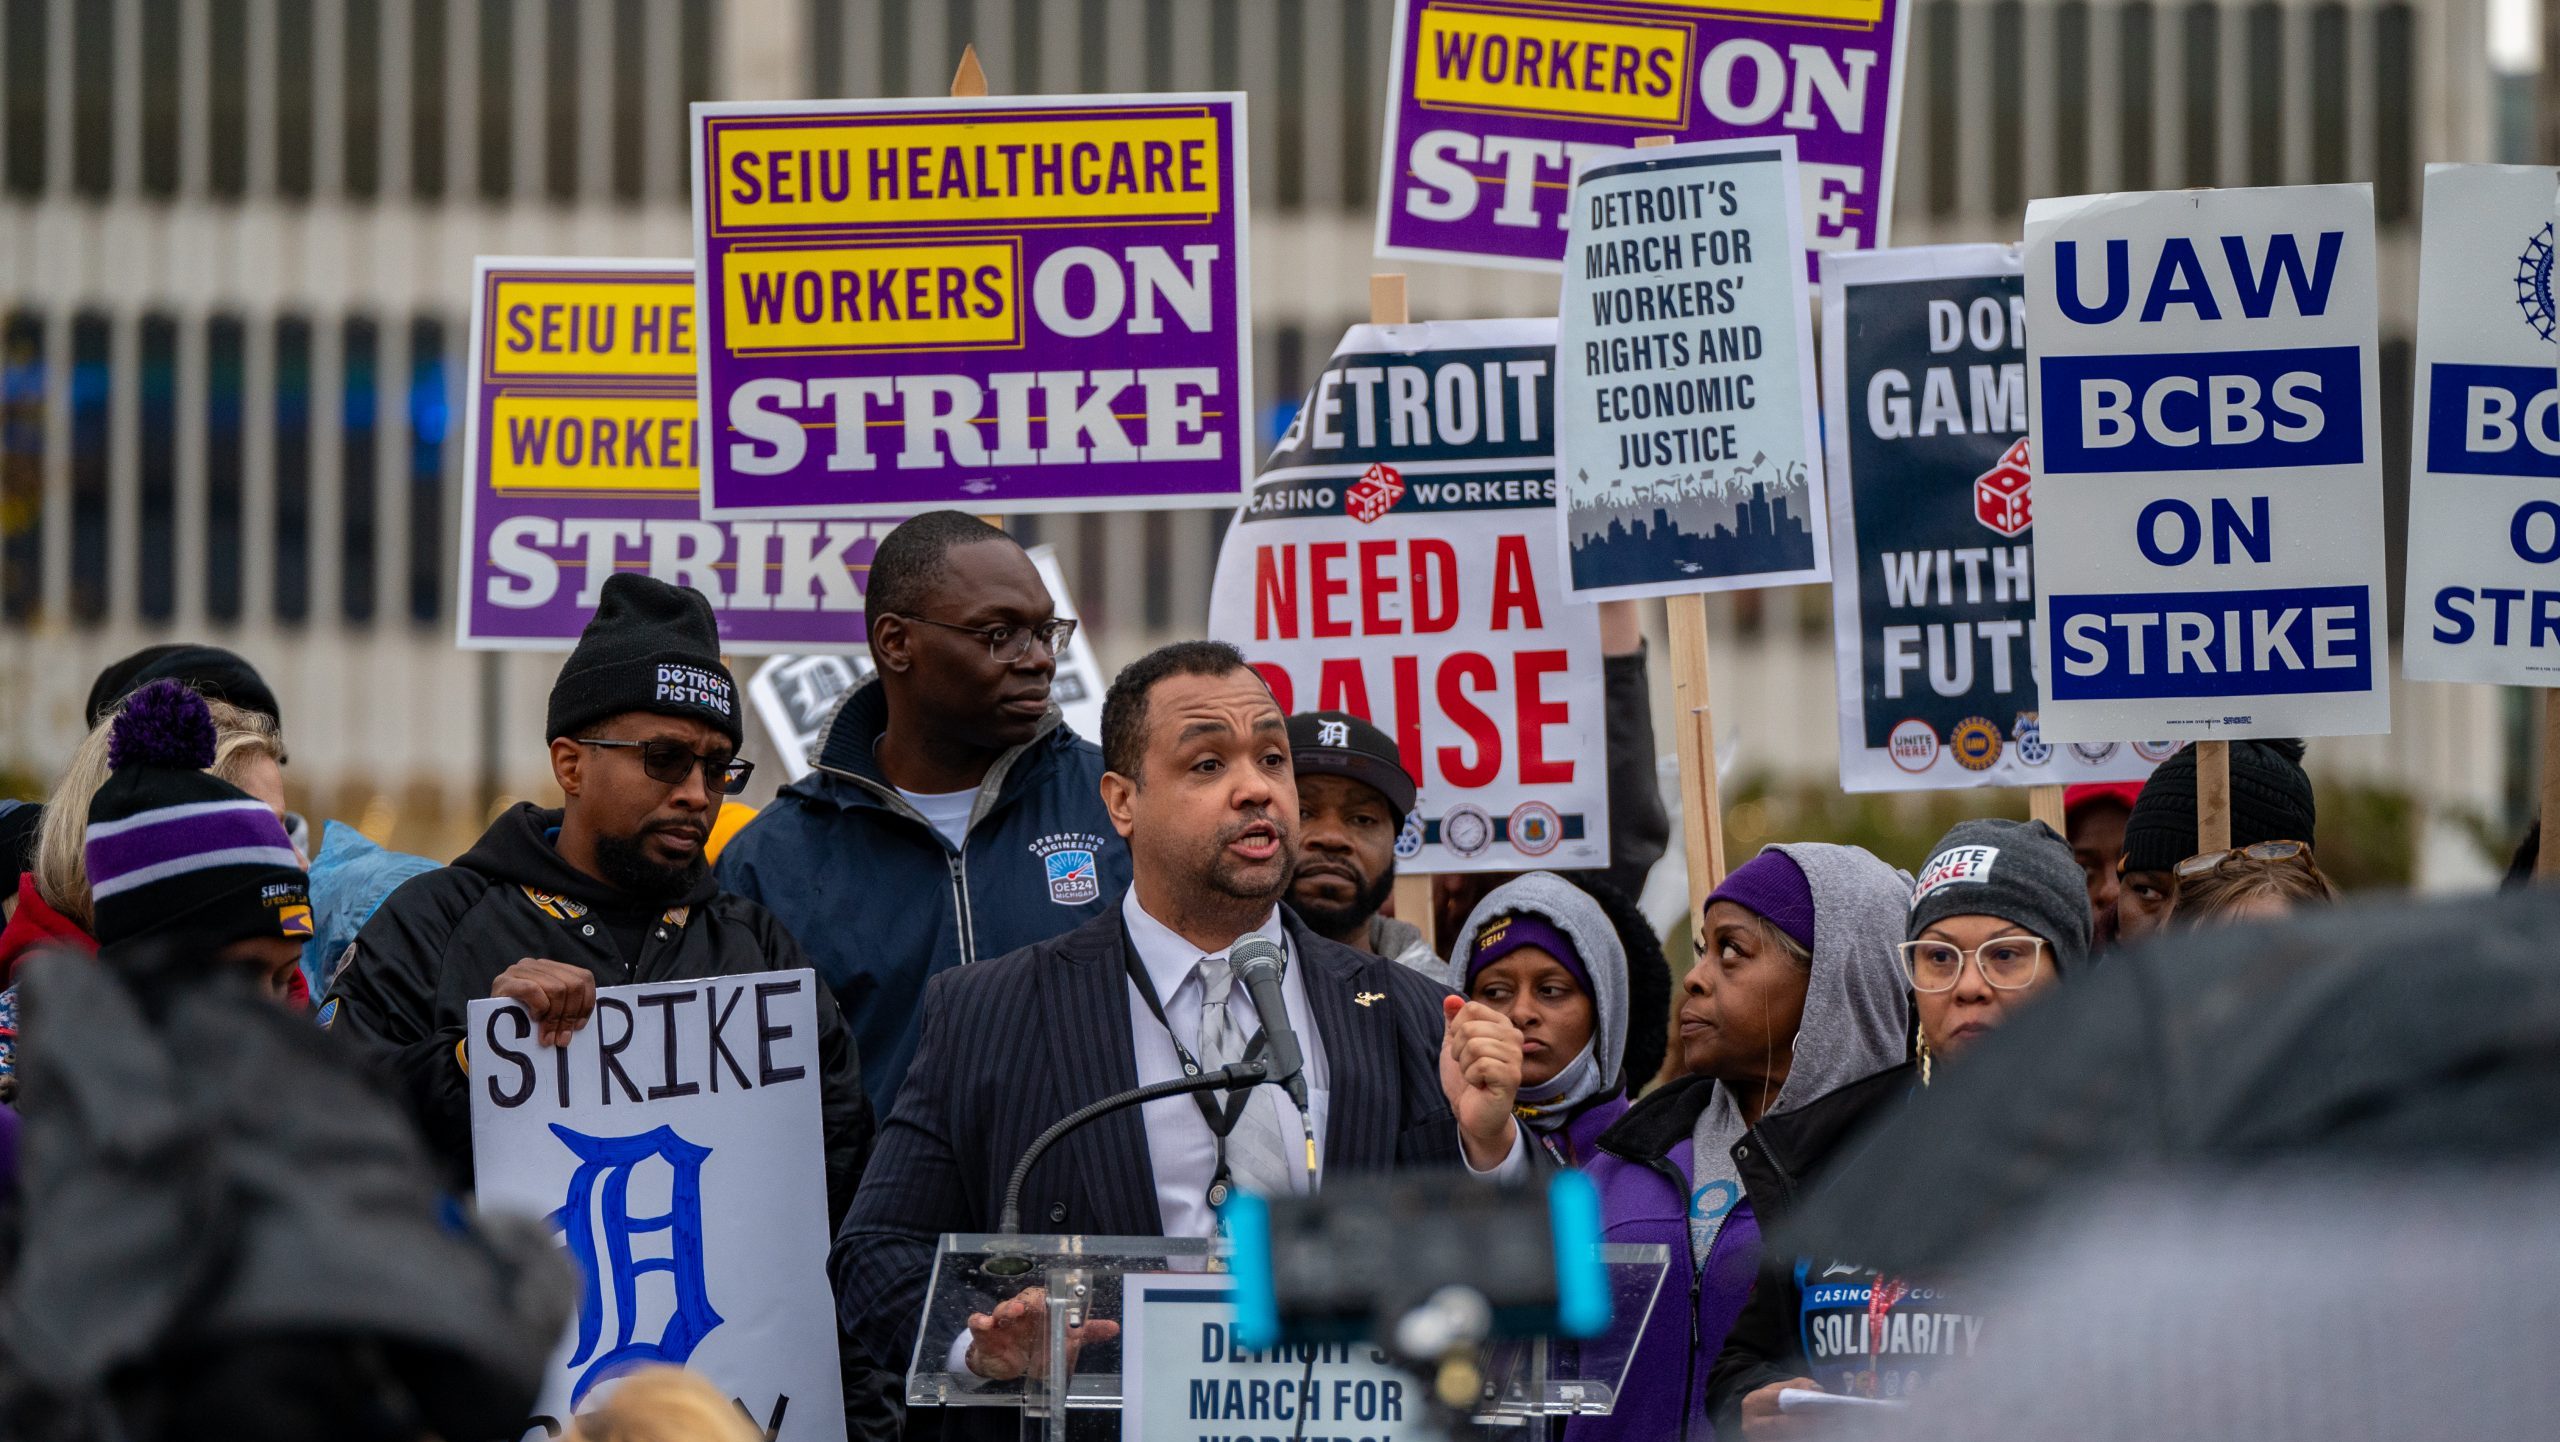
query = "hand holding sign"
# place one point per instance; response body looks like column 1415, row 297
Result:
column 560, row 996
column 1480, row 1074
column 1013, row 1340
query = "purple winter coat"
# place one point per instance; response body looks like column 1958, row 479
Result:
column 1579, row 1140
column 1665, row 1395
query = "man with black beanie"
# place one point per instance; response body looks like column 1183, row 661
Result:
column 2271, row 800
column 609, row 890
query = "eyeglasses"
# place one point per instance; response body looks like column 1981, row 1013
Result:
column 2206, row 863
column 2007, row 962
column 1008, row 644
column 671, row 763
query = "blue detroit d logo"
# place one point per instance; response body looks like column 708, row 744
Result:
column 595, row 1221
column 2533, row 282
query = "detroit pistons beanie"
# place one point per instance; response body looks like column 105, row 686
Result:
column 2270, row 801
column 2018, row 871
column 173, row 851
column 651, row 647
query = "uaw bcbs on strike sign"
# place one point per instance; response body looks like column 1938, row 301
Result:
column 1005, row 305
column 2208, row 471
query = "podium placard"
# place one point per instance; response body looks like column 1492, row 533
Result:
column 1172, row 1281
column 1184, row 1373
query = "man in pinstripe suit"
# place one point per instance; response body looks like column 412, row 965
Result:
column 1400, row 1073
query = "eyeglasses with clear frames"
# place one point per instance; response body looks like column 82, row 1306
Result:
column 2009, row 963
column 1008, row 644
column 670, row 762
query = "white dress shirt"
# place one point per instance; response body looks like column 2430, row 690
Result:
column 1180, row 1146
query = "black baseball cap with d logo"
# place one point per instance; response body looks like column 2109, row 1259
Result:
column 1337, row 743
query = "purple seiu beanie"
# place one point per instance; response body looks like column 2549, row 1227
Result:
column 1513, row 930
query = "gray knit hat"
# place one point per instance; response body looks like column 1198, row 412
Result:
column 2019, row 871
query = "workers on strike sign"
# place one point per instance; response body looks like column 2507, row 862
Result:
column 1493, row 106
column 584, row 458
column 1396, row 559
column 2204, row 391
column 1007, row 305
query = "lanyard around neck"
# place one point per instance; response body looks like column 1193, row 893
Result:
column 1221, row 1120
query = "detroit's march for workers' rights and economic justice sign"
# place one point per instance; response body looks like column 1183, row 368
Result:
column 1494, row 104
column 1396, row 560
column 2484, row 472
column 1688, row 449
column 675, row 1142
column 582, row 446
column 1924, row 370
column 1006, row 305
column 2203, row 387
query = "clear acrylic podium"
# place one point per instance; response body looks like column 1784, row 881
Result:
column 1082, row 1280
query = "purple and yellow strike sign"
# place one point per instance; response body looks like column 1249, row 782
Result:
column 583, row 445
column 1001, row 305
column 1494, row 104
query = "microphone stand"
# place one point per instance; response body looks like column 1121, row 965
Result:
column 1224, row 1079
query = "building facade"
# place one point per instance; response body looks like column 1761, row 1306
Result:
column 236, row 241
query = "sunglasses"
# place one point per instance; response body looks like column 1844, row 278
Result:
column 671, row 763
column 2209, row 862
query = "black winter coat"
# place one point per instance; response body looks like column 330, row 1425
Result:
column 438, row 943
column 1780, row 1161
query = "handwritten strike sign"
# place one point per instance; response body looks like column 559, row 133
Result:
column 2203, row 387
column 1008, row 305
column 1397, row 560
column 1495, row 104
column 583, row 444
column 676, row 1145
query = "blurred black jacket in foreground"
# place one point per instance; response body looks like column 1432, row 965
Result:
column 2402, row 1038
column 231, row 1231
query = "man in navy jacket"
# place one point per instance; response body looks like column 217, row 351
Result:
column 953, row 816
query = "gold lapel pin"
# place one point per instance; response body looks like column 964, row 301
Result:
column 1366, row 997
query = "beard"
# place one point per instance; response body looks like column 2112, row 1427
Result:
column 1339, row 921
column 626, row 864
column 1267, row 882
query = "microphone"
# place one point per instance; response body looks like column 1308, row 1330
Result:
column 1256, row 962
column 1009, row 1224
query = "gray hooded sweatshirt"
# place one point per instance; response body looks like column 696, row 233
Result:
column 1857, row 1004
column 1572, row 911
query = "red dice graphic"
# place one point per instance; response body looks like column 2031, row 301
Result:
column 2000, row 495
column 1376, row 493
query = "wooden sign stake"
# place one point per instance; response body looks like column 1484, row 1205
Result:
column 2044, row 803
column 2546, row 862
column 2213, row 796
column 969, row 82
column 1387, row 306
column 1701, row 803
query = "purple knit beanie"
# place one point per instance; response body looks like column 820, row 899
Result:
column 1513, row 930
column 1772, row 886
